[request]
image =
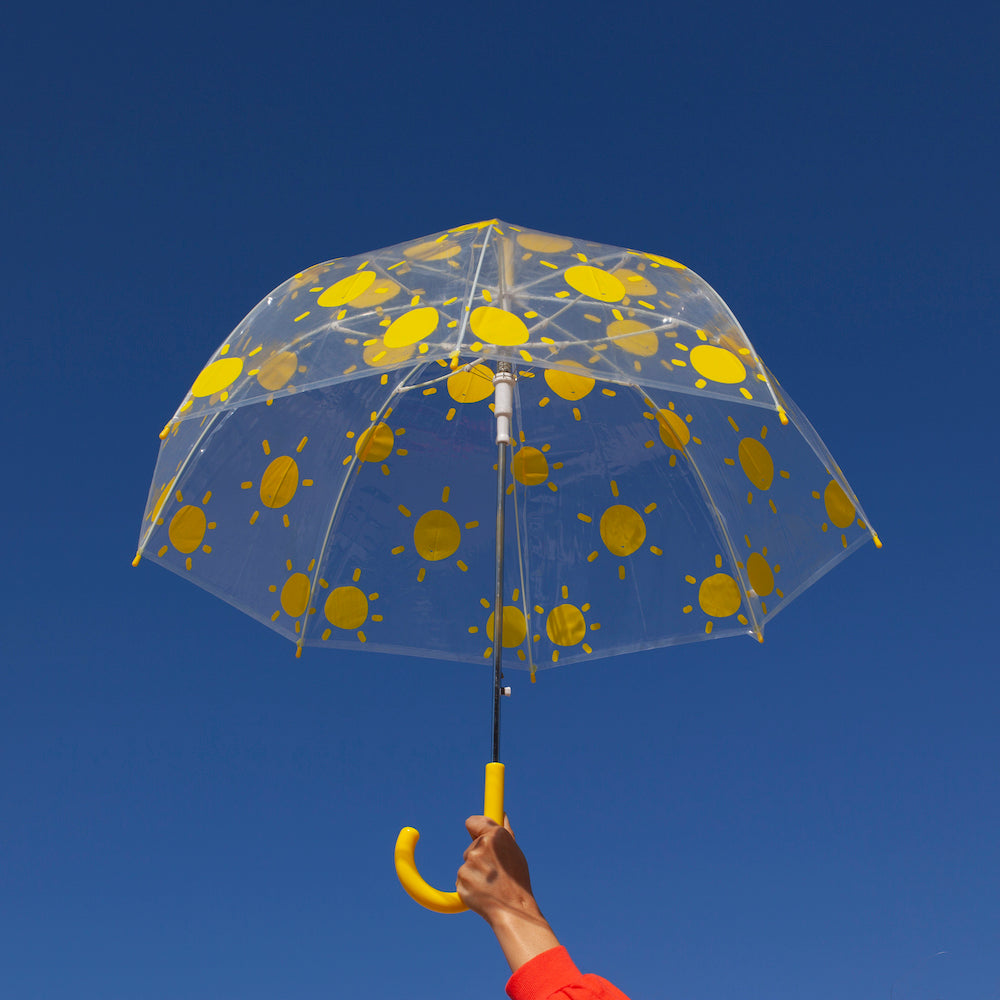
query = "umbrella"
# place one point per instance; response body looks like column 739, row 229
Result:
column 496, row 445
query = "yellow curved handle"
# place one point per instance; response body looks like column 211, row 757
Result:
column 406, row 867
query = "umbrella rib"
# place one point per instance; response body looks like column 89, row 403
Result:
column 719, row 520
column 464, row 322
column 518, row 534
column 341, row 493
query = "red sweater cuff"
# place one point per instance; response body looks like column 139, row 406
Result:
column 540, row 977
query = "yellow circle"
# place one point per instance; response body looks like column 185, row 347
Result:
column 760, row 574
column 375, row 443
column 565, row 625
column 433, row 250
column 634, row 282
column 436, row 535
column 279, row 482
column 277, row 371
column 594, row 283
column 346, row 607
column 622, row 529
column 529, row 466
column 217, row 376
column 471, row 386
column 634, row 337
column 295, row 595
column 839, row 507
column 544, row 242
column 719, row 596
column 187, row 529
column 497, row 326
column 377, row 355
column 718, row 364
column 757, row 463
column 674, row 431
column 666, row 261
column 567, row 384
column 515, row 628
column 343, row 291
column 379, row 292
column 412, row 327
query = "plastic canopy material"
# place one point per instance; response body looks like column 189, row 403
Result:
column 332, row 470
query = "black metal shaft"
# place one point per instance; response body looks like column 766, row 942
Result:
column 498, row 598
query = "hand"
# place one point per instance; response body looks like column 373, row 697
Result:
column 494, row 882
column 494, row 878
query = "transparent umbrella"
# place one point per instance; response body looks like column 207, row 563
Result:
column 496, row 445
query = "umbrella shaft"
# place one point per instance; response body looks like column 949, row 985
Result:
column 498, row 597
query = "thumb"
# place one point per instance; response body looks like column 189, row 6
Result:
column 478, row 825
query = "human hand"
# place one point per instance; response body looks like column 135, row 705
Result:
column 494, row 882
column 494, row 878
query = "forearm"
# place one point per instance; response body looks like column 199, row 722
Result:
column 522, row 934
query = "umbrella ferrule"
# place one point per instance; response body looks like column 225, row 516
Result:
column 503, row 400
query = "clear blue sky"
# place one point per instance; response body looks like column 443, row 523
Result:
column 187, row 811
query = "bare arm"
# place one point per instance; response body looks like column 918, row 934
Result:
column 494, row 882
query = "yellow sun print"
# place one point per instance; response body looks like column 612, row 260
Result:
column 761, row 573
column 294, row 596
column 348, row 607
column 719, row 597
column 566, row 625
column 279, row 481
column 756, row 462
column 515, row 626
column 673, row 429
column 187, row 527
column 839, row 507
column 375, row 444
column 277, row 370
column 530, row 466
column 472, row 385
column 570, row 382
column 622, row 530
column 436, row 535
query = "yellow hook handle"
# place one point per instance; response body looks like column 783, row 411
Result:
column 406, row 868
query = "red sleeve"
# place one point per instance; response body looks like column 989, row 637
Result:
column 553, row 976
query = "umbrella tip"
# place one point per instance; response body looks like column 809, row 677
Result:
column 454, row 360
column 138, row 556
column 760, row 635
column 876, row 540
column 782, row 416
column 165, row 432
column 298, row 651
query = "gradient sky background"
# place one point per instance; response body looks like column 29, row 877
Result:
column 187, row 811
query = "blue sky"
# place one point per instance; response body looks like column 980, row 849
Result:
column 189, row 811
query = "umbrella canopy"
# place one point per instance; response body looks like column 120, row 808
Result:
column 332, row 470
